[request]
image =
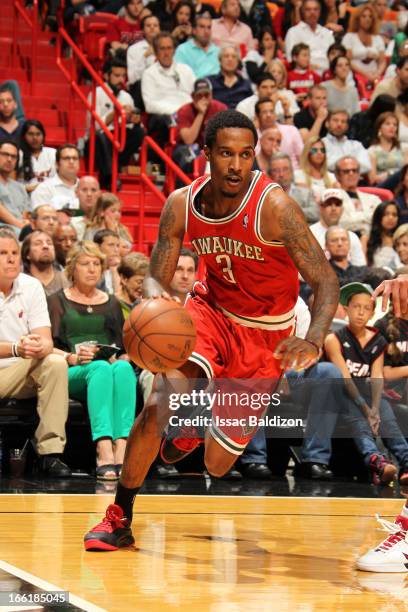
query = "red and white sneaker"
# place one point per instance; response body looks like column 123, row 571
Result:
column 391, row 555
column 110, row 534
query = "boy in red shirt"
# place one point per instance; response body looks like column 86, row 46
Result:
column 301, row 78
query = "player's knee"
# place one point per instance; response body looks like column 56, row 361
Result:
column 216, row 469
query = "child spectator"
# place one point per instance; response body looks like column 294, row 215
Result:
column 358, row 351
column 301, row 77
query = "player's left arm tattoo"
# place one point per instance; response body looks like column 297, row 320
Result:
column 312, row 265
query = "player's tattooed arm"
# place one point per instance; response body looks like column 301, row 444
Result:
column 290, row 226
column 165, row 253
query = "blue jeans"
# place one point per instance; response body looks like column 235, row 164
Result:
column 324, row 408
column 389, row 432
column 256, row 451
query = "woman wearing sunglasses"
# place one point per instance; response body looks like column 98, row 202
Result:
column 313, row 172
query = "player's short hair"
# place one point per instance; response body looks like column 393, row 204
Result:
column 102, row 234
column 189, row 253
column 227, row 119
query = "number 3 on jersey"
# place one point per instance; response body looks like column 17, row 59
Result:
column 227, row 270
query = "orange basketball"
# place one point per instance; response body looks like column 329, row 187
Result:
column 159, row 335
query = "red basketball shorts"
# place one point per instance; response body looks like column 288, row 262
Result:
column 237, row 359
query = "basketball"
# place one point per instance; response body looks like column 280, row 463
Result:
column 159, row 335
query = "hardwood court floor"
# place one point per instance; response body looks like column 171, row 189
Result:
column 208, row 553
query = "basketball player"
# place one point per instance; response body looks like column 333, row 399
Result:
column 254, row 240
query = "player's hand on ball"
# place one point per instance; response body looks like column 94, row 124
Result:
column 296, row 354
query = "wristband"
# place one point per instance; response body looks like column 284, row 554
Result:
column 318, row 348
column 359, row 401
column 14, row 350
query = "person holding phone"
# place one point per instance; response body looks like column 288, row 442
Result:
column 87, row 329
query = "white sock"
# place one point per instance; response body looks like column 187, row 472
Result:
column 404, row 512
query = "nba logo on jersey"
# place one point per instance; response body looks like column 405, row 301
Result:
column 245, row 221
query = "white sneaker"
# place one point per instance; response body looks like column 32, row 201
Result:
column 392, row 554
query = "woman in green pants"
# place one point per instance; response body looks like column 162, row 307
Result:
column 81, row 317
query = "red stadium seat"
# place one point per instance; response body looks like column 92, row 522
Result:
column 92, row 29
column 384, row 194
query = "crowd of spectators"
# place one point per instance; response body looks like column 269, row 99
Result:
column 326, row 84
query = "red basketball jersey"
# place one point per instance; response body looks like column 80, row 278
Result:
column 253, row 281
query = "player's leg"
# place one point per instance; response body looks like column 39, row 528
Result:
column 217, row 459
column 141, row 450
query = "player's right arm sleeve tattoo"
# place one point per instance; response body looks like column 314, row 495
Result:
column 313, row 266
column 165, row 254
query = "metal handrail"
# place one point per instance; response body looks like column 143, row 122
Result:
column 118, row 136
column 172, row 169
column 32, row 22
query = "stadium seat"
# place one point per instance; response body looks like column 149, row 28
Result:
column 384, row 194
column 93, row 28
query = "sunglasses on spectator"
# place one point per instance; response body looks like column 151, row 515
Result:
column 314, row 150
column 335, row 203
column 69, row 158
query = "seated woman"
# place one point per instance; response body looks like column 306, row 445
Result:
column 270, row 142
column 107, row 216
column 37, row 162
column 313, row 172
column 80, row 315
column 400, row 243
column 132, row 270
column 183, row 17
column 401, row 194
column 277, row 69
column 365, row 47
column 340, row 94
column 378, row 246
column 386, row 153
column 229, row 86
column 256, row 61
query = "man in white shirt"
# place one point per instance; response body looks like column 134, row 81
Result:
column 60, row 190
column 166, row 86
column 115, row 80
column 308, row 31
column 28, row 366
column 358, row 205
column 331, row 210
column 141, row 56
column 338, row 145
